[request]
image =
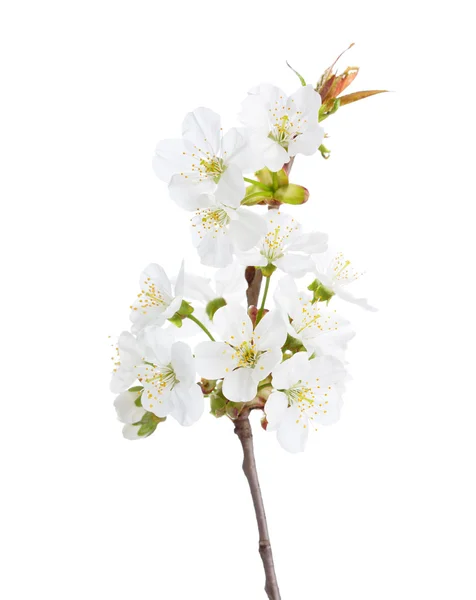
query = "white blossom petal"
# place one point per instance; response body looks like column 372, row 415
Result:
column 293, row 431
column 213, row 360
column 188, row 404
column 126, row 408
column 240, row 386
column 202, row 127
column 275, row 408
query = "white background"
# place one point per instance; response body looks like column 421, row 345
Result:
column 380, row 505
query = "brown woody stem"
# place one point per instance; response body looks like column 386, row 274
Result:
column 243, row 431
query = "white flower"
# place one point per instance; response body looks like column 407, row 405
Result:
column 335, row 273
column 245, row 357
column 130, row 413
column 320, row 329
column 156, row 301
column 228, row 283
column 195, row 164
column 285, row 246
column 165, row 369
column 282, row 127
column 306, row 393
column 221, row 227
column 128, row 355
column 167, row 374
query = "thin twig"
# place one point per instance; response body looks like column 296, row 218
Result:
column 243, row 431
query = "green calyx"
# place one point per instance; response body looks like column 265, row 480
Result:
column 183, row 312
column 268, row 270
column 221, row 406
column 320, row 292
column 213, row 306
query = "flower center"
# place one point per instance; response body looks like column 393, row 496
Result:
column 152, row 297
column 247, row 355
column 212, row 167
column 210, row 220
column 160, row 377
column 342, row 270
column 301, row 395
column 281, row 131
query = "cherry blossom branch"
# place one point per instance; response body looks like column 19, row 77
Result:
column 243, row 431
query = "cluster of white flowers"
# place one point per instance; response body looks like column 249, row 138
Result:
column 288, row 362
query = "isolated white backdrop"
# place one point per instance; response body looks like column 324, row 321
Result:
column 379, row 506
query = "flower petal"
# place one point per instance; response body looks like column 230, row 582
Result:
column 293, row 431
column 183, row 363
column 202, row 128
column 188, row 404
column 231, row 188
column 233, row 324
column 126, row 408
column 240, row 386
column 270, row 332
column 275, row 407
column 247, row 230
column 213, row 359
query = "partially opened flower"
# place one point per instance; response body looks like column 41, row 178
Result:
column 285, row 246
column 320, row 329
column 282, row 127
column 221, row 227
column 157, row 301
column 167, row 374
column 306, row 393
column 334, row 274
column 195, row 164
column 246, row 356
column 130, row 412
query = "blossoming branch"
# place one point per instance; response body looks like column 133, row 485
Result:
column 281, row 354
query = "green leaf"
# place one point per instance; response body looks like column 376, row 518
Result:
column 148, row 424
column 355, row 96
column 301, row 78
column 213, row 306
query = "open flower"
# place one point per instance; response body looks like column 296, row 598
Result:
column 306, row 393
column 320, row 329
column 334, row 274
column 156, row 301
column 285, row 246
column 195, row 164
column 221, row 227
column 246, row 356
column 282, row 127
column 166, row 370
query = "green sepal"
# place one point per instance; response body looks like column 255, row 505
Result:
column 292, row 345
column 207, row 385
column 325, row 152
column 292, row 194
column 301, row 78
column 183, row 312
column 320, row 292
column 213, row 306
column 148, row 424
column 233, row 409
column 268, row 270
column 136, row 388
column 217, row 403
